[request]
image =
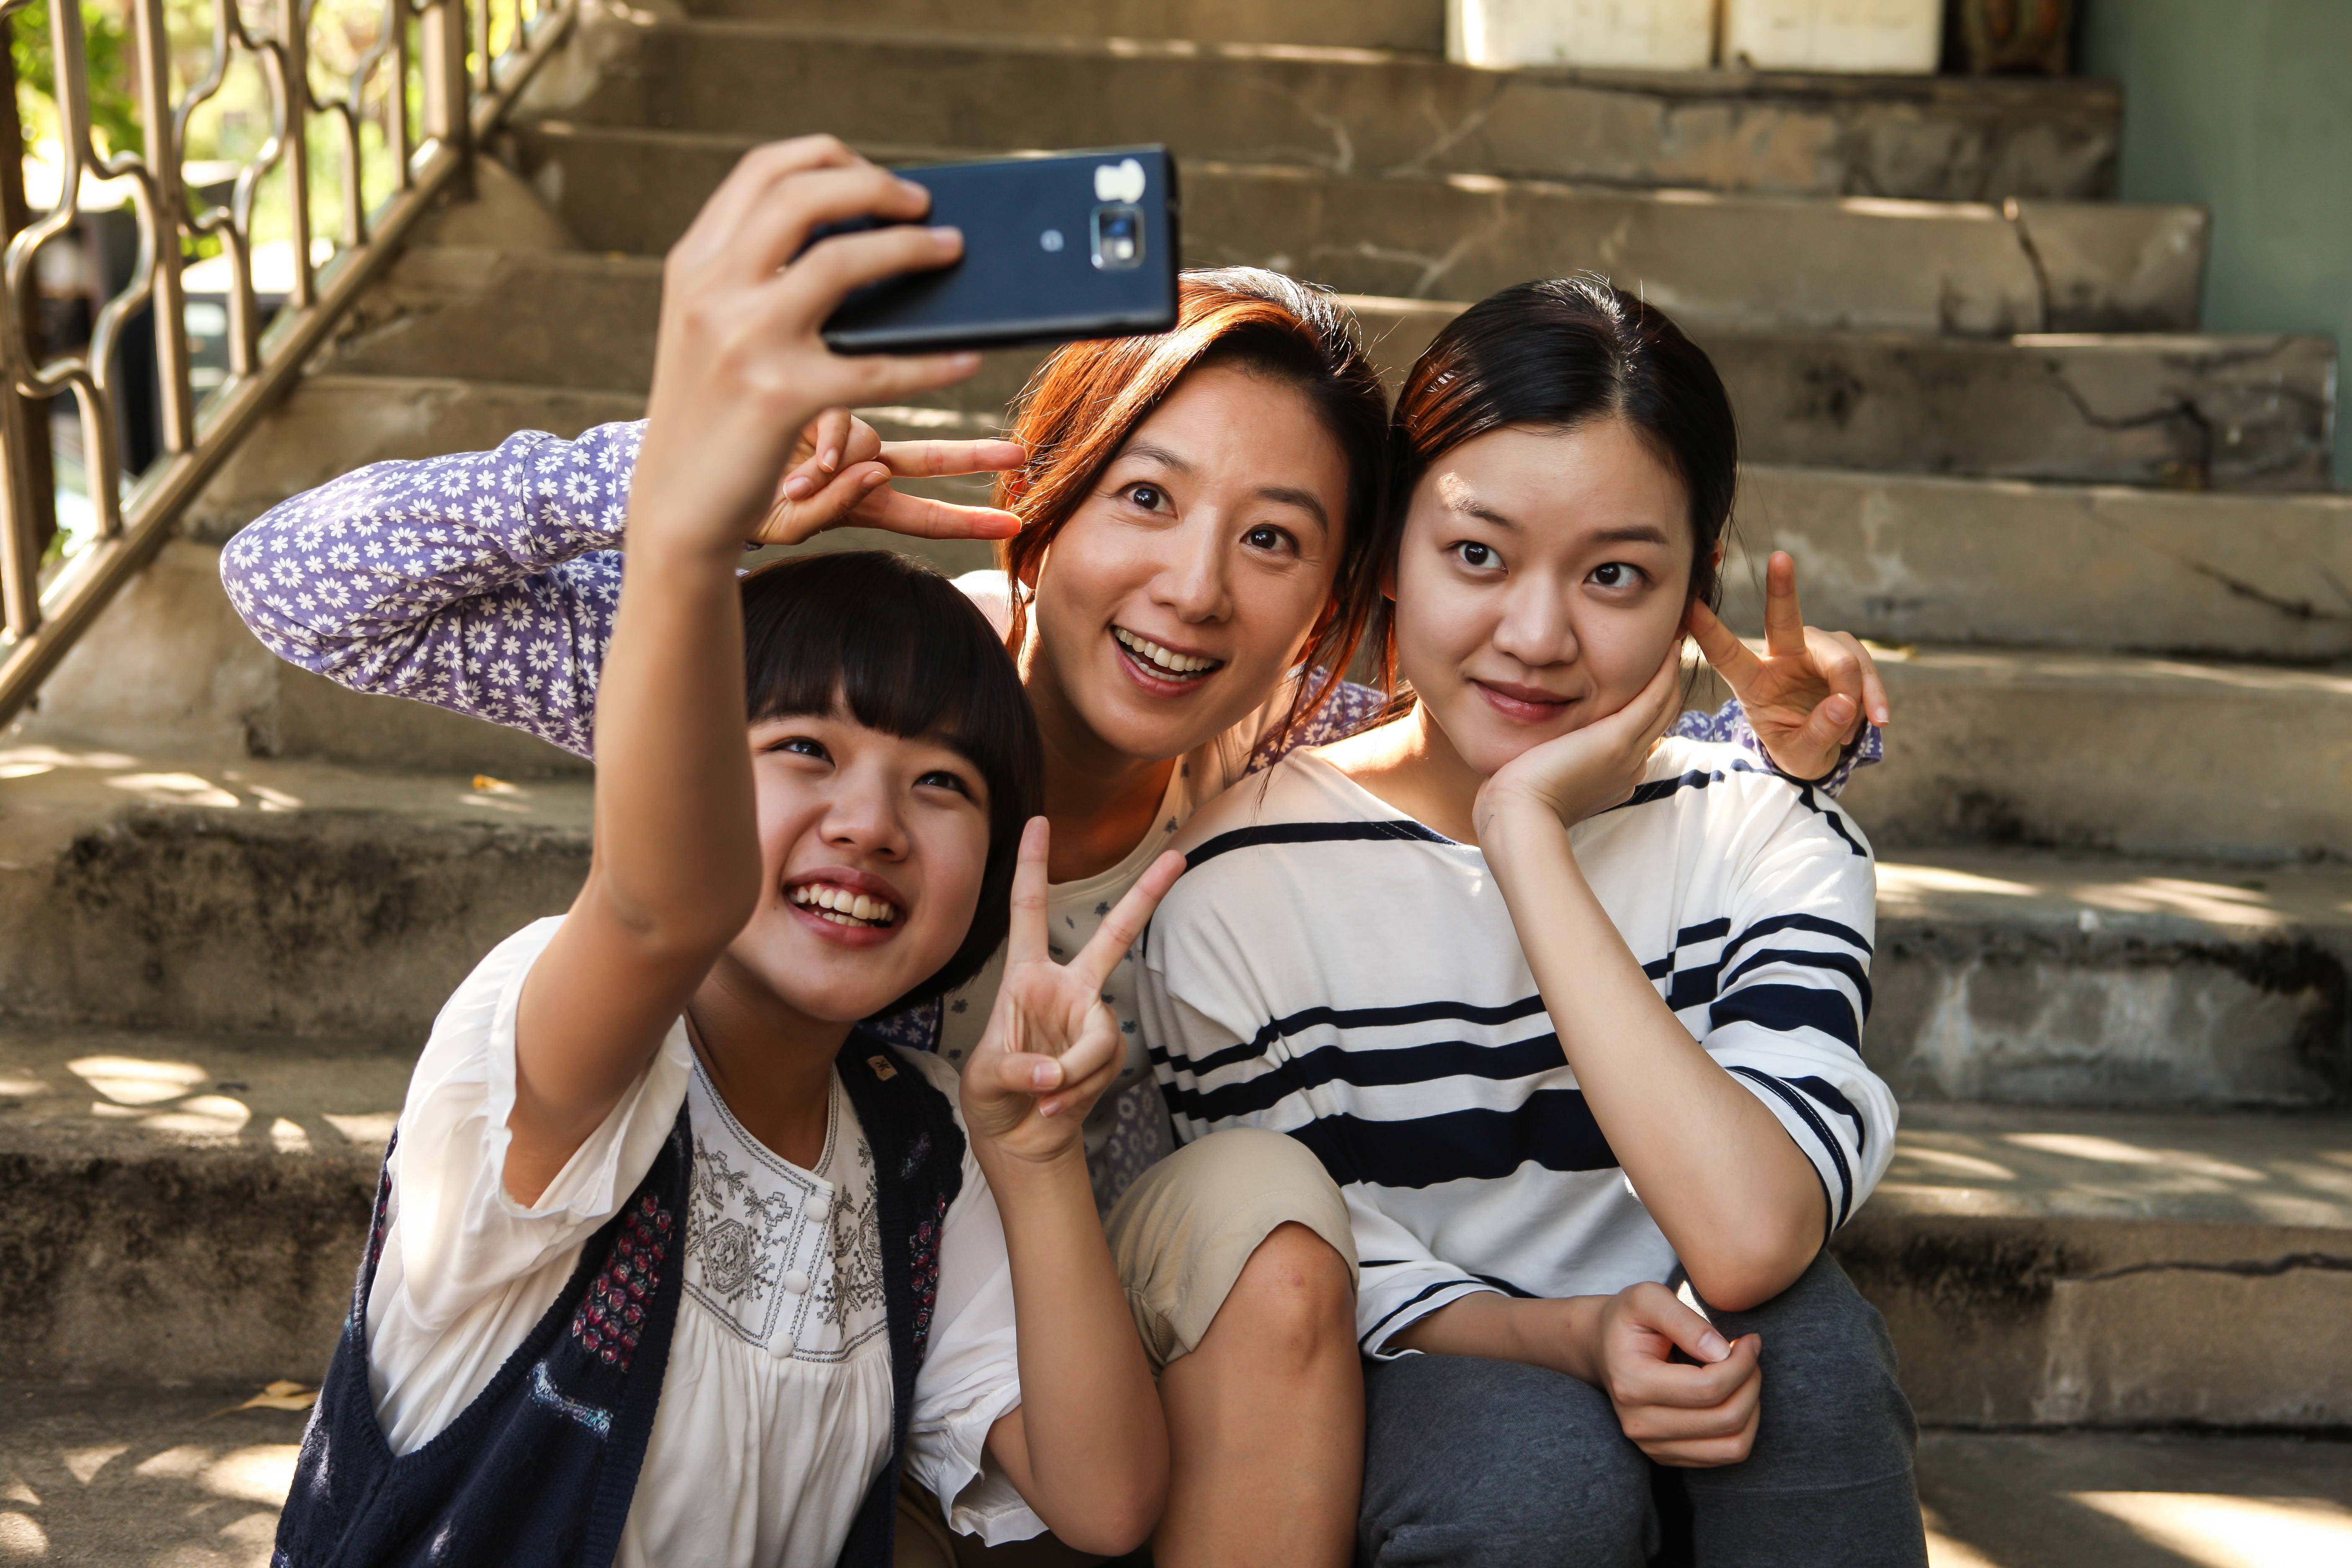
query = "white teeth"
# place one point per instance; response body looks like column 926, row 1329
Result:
column 1174, row 663
column 843, row 907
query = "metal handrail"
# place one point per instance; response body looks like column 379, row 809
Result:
column 461, row 104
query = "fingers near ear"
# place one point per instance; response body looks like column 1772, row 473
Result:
column 1717, row 643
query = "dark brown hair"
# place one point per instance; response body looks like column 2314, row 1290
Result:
column 905, row 653
column 1552, row 355
column 1078, row 410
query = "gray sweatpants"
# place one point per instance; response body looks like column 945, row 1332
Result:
column 1469, row 1460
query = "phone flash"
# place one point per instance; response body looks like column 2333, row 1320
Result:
column 1119, row 182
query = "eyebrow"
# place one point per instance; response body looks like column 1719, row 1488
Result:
column 1632, row 534
column 1306, row 502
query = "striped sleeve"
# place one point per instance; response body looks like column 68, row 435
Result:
column 1777, row 990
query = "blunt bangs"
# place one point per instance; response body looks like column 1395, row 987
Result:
column 905, row 653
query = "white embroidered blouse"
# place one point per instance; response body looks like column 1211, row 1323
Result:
column 775, row 1405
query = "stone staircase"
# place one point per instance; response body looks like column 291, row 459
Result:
column 2096, row 545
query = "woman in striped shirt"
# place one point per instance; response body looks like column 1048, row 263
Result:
column 1571, row 1013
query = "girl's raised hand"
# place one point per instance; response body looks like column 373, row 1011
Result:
column 1808, row 693
column 841, row 476
column 741, row 369
column 1587, row 771
column 1053, row 1047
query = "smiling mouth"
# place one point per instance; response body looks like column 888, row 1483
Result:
column 842, row 907
column 1162, row 664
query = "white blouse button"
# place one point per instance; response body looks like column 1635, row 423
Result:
column 783, row 1345
column 796, row 1283
column 820, row 1209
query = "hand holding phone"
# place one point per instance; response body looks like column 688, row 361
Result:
column 1077, row 245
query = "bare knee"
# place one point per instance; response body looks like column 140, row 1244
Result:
column 1296, row 1295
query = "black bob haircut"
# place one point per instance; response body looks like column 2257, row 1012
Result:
column 1553, row 354
column 905, row 653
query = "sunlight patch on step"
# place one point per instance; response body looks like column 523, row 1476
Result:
column 2113, row 1151
column 135, row 1080
column 174, row 789
column 21, row 1538
column 2216, row 1531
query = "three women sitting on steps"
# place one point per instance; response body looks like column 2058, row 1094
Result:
column 1197, row 534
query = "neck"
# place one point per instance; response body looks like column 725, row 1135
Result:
column 772, row 1063
column 1101, row 801
column 1409, row 764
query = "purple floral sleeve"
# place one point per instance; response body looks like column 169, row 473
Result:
column 483, row 582
column 1729, row 722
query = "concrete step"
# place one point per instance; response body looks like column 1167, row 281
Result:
column 1908, row 558
column 2246, row 412
column 2045, row 1269
column 190, row 1206
column 1416, row 26
column 1716, row 261
column 2036, row 978
column 109, row 1474
column 2243, row 413
column 238, row 894
column 1351, row 110
column 2138, row 756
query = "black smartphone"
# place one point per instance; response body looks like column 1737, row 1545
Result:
column 1077, row 245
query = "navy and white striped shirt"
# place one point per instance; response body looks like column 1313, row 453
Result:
column 1333, row 970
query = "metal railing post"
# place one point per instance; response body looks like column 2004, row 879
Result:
column 174, row 398
column 448, row 96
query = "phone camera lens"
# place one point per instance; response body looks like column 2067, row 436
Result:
column 1119, row 236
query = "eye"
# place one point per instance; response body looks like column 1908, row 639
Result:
column 1265, row 536
column 1477, row 555
column 1618, row 574
column 941, row 778
column 1150, row 498
column 803, row 746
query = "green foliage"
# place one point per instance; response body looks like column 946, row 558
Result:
column 113, row 117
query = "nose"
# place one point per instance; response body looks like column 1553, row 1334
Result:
column 1536, row 627
column 1192, row 577
column 861, row 815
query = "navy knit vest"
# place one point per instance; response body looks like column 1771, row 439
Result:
column 539, row 1470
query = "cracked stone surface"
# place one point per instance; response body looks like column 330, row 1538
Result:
column 1358, row 111
column 141, row 1478
column 1857, row 264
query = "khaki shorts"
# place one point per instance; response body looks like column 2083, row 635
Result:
column 1180, row 1238
column 1183, row 1233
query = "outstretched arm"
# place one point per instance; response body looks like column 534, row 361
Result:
column 740, row 368
column 1087, row 1448
column 485, row 582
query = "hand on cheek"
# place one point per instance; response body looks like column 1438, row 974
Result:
column 1587, row 771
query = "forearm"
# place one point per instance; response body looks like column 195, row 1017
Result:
column 1564, row 1334
column 1089, row 1447
column 483, row 582
column 1738, row 1200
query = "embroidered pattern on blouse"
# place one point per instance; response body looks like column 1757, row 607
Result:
column 612, row 1314
column 727, row 1257
column 856, row 1241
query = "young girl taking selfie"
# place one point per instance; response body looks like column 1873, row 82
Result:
column 675, row 1262
column 1189, row 525
column 1572, row 1020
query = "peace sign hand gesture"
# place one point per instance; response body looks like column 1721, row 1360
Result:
column 1809, row 692
column 1052, row 1046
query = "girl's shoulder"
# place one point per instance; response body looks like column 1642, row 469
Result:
column 1300, row 789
